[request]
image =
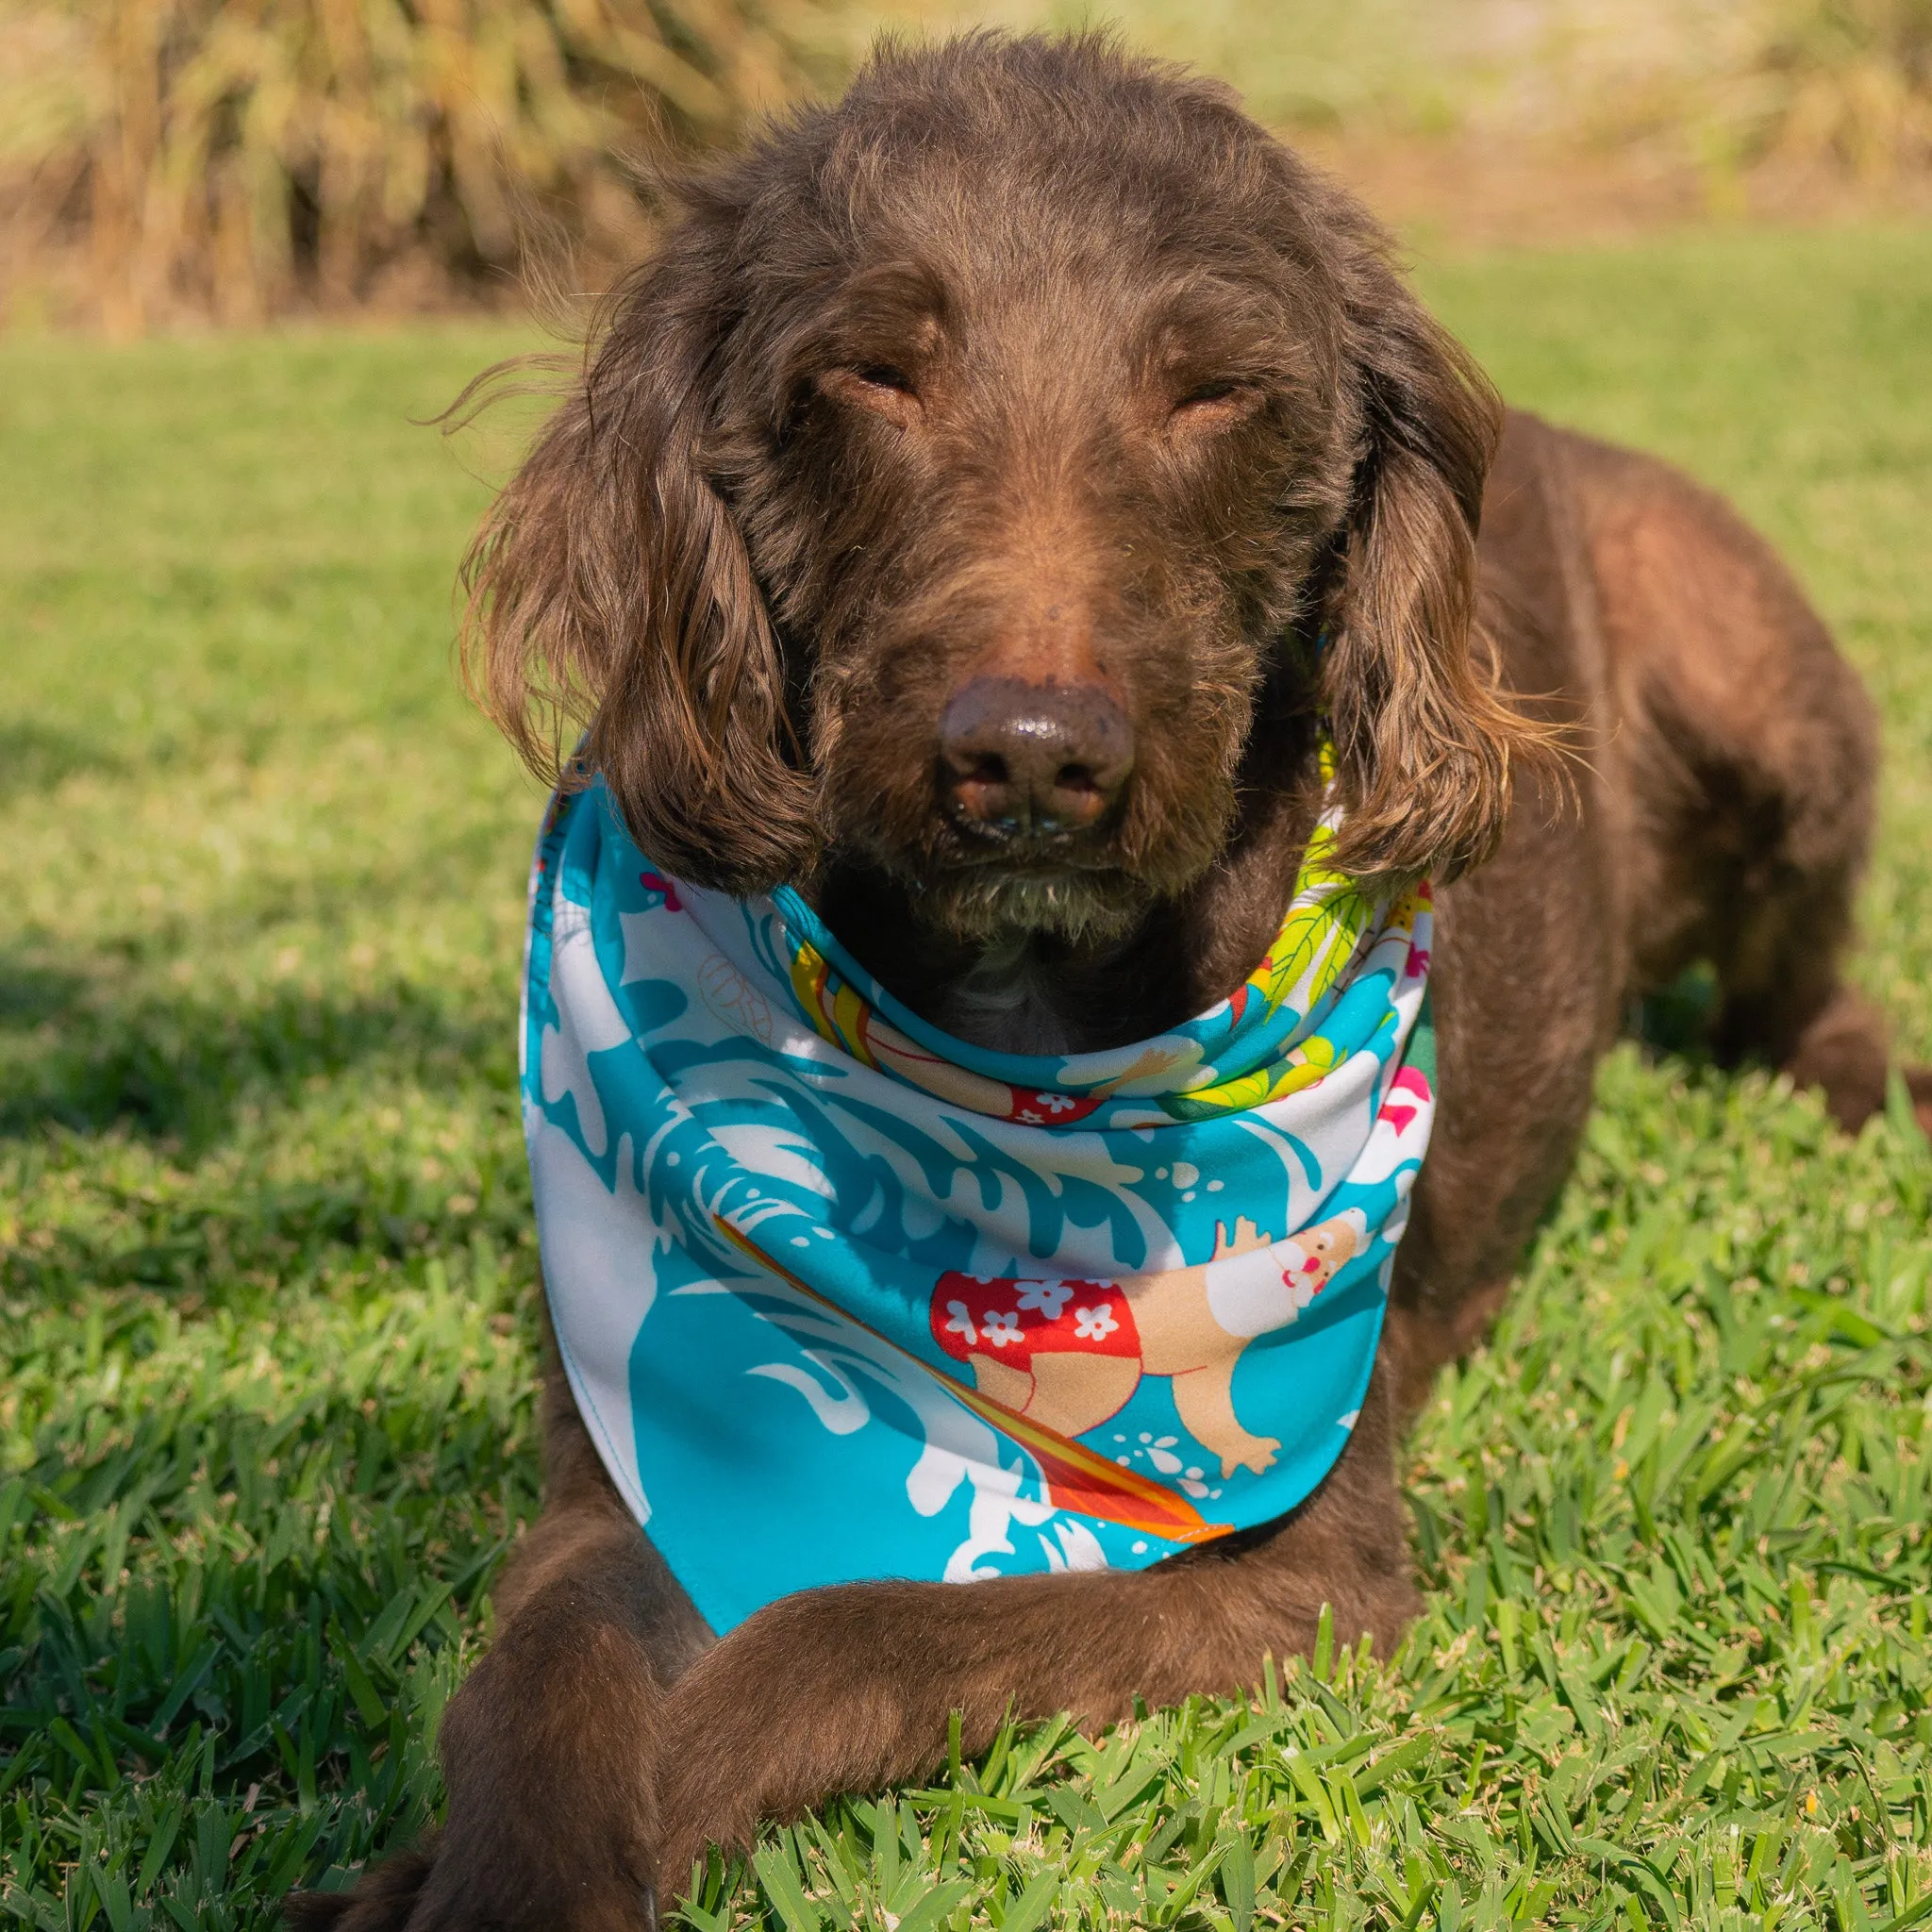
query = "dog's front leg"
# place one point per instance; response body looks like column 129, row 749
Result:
column 548, row 1748
column 547, row 1752
column 547, row 1756
column 851, row 1688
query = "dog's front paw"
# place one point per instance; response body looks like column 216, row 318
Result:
column 380, row 1900
column 444, row 1886
column 576, row 1887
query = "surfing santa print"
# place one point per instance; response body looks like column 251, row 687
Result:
column 1068, row 1355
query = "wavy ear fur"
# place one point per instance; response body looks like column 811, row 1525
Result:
column 610, row 591
column 1425, row 740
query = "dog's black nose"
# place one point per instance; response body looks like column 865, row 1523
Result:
column 1031, row 760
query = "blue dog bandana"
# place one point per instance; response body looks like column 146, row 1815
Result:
column 843, row 1298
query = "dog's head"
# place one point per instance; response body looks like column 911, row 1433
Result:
column 973, row 465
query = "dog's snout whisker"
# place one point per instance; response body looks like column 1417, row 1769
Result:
column 1032, row 760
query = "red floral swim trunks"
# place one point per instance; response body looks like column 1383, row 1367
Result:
column 1013, row 1320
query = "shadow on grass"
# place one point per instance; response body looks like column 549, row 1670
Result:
column 1677, row 1021
column 36, row 756
column 78, row 1053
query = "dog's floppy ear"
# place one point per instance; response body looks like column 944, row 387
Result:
column 1424, row 740
column 610, row 591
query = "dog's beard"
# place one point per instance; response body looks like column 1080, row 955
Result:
column 989, row 903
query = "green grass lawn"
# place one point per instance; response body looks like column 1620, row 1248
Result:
column 269, row 1319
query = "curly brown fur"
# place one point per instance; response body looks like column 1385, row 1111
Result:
column 1030, row 375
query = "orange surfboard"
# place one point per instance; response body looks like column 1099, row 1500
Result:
column 1076, row 1477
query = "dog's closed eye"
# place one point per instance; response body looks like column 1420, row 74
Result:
column 882, row 388
column 1216, row 401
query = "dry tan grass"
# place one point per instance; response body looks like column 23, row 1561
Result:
column 1836, row 90
column 239, row 159
column 1490, row 118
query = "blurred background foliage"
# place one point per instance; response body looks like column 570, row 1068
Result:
column 237, row 158
column 166, row 161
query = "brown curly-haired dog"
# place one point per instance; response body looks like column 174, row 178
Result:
column 942, row 524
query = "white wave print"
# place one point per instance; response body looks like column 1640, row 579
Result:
column 841, row 1410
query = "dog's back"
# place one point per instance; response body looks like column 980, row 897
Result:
column 1717, row 807
column 1744, row 752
